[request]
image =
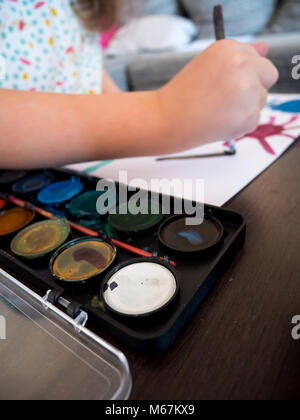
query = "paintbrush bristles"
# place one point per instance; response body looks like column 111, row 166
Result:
column 219, row 23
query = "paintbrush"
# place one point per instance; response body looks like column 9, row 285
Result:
column 228, row 152
column 220, row 34
column 82, row 229
column 219, row 25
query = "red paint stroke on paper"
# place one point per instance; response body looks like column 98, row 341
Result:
column 271, row 129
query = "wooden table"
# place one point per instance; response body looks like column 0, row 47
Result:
column 239, row 344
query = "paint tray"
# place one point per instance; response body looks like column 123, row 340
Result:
column 150, row 335
column 47, row 355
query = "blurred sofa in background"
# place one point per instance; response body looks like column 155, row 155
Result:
column 274, row 21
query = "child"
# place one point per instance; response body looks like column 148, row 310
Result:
column 52, row 115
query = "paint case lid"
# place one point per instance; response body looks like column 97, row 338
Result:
column 60, row 359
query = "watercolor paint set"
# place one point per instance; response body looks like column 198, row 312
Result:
column 138, row 278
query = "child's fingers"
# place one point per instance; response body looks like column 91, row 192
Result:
column 259, row 49
column 264, row 98
column 262, row 48
column 267, row 72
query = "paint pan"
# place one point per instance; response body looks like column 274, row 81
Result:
column 40, row 239
column 125, row 221
column 10, row 177
column 60, row 192
column 32, row 184
column 292, row 107
column 82, row 260
column 176, row 235
column 15, row 219
column 140, row 288
column 85, row 206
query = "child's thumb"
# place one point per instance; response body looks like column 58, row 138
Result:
column 262, row 48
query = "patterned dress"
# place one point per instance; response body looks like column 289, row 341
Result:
column 44, row 47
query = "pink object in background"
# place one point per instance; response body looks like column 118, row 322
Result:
column 106, row 37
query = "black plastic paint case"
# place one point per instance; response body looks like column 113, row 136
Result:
column 154, row 334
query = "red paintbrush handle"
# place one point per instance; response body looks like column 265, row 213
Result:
column 136, row 251
column 118, row 244
column 43, row 213
column 17, row 201
column 84, row 230
column 2, row 203
column 21, row 203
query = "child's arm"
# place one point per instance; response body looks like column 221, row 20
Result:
column 217, row 96
column 108, row 85
column 44, row 130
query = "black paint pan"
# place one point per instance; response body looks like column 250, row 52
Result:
column 177, row 235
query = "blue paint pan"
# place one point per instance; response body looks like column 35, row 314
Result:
column 32, row 184
column 60, row 192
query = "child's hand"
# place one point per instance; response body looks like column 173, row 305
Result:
column 217, row 96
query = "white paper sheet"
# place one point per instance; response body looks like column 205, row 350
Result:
column 224, row 177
